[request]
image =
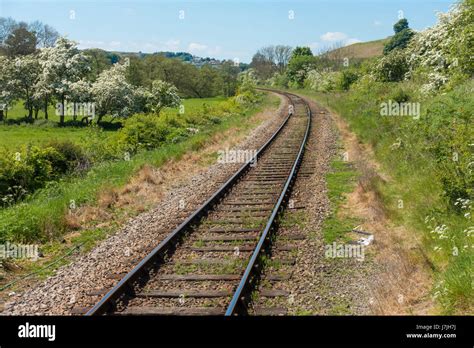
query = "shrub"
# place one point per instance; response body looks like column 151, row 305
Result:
column 142, row 132
column 28, row 170
column 322, row 81
column 392, row 67
column 346, row 79
column 74, row 157
column 279, row 80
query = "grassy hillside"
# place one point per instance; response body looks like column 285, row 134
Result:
column 360, row 50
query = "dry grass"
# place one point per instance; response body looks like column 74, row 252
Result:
column 402, row 278
column 361, row 50
column 148, row 187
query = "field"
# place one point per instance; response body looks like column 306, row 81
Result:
column 361, row 50
column 13, row 136
column 43, row 212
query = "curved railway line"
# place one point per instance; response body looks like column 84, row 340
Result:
column 211, row 263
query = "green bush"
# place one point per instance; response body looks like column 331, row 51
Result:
column 392, row 67
column 29, row 169
column 346, row 79
column 142, row 132
column 74, row 158
column 448, row 131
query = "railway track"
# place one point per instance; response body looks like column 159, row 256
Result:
column 210, row 264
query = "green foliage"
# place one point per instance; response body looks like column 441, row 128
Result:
column 142, row 132
column 442, row 55
column 279, row 80
column 392, row 67
column 301, row 51
column 402, row 37
column 448, row 132
column 401, row 25
column 40, row 217
column 346, row 79
column 32, row 167
column 399, row 41
column 28, row 169
column 298, row 67
column 73, row 157
column 430, row 165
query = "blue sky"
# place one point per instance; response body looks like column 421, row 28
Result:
column 228, row 29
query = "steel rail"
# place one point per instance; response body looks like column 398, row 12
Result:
column 236, row 303
column 125, row 285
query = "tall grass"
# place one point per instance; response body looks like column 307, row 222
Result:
column 416, row 154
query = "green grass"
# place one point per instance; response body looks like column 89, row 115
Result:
column 41, row 217
column 14, row 136
column 340, row 181
column 414, row 181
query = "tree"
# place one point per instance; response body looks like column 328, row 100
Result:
column 99, row 61
column 282, row 56
column 264, row 67
column 207, row 82
column 7, row 25
column 301, row 51
column 248, row 81
column 62, row 66
column 113, row 94
column 163, row 94
column 402, row 37
column 46, row 35
column 7, row 93
column 401, row 25
column 80, row 93
column 392, row 67
column 20, row 43
column 25, row 72
column 299, row 66
column 229, row 72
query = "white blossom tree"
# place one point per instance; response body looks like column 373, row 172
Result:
column 162, row 94
column 248, row 81
column 62, row 66
column 112, row 93
column 7, row 93
column 24, row 74
column 81, row 92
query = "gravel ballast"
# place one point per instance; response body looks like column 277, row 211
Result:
column 74, row 287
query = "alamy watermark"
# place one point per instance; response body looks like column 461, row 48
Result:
column 237, row 156
column 336, row 250
column 394, row 108
column 76, row 109
column 19, row 251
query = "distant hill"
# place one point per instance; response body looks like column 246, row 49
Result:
column 184, row 56
column 360, row 50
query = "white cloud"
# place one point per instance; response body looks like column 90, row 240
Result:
column 196, row 47
column 115, row 43
column 204, row 50
column 334, row 36
column 90, row 43
column 339, row 37
column 314, row 46
column 351, row 41
column 377, row 23
column 172, row 45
